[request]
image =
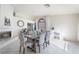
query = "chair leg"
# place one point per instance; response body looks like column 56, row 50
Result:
column 20, row 50
column 43, row 45
column 46, row 44
column 23, row 50
column 39, row 48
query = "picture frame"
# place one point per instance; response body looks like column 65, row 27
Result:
column 7, row 21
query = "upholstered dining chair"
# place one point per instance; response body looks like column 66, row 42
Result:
column 47, row 38
column 42, row 41
column 22, row 42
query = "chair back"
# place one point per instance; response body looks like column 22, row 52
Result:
column 47, row 36
column 21, row 38
column 42, row 38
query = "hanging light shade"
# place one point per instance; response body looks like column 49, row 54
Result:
column 47, row 5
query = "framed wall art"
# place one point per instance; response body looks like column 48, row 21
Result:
column 7, row 21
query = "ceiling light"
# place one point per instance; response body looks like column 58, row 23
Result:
column 47, row 5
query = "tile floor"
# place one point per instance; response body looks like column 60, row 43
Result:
column 13, row 48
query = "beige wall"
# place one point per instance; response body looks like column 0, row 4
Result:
column 78, row 30
column 7, row 11
column 66, row 25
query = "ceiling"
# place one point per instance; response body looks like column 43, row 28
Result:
column 41, row 10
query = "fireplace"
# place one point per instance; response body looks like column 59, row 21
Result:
column 4, row 35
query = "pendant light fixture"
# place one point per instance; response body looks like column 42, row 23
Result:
column 47, row 5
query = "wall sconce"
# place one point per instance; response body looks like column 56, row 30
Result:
column 14, row 14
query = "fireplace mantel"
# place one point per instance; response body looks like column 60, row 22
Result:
column 5, row 29
column 4, row 32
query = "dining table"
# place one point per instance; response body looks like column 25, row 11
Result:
column 35, row 40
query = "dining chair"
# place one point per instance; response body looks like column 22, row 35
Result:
column 22, row 42
column 47, row 38
column 42, row 41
